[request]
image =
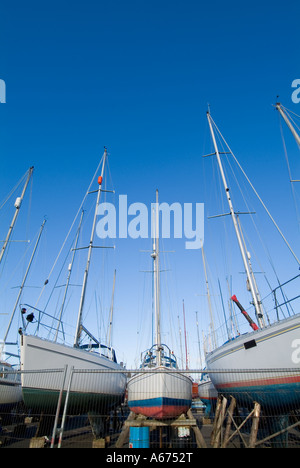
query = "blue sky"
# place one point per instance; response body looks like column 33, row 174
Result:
column 137, row 77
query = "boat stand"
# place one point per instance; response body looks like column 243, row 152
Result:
column 183, row 421
column 222, row 433
column 223, row 411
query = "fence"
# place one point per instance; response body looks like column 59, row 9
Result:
column 64, row 408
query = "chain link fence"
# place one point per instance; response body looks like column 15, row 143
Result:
column 57, row 409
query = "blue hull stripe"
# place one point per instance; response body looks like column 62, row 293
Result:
column 161, row 401
column 269, row 395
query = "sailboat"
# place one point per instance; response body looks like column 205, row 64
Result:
column 206, row 391
column 159, row 390
column 261, row 365
column 10, row 381
column 90, row 391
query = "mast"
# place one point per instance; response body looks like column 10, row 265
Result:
column 186, row 351
column 197, row 325
column 90, row 248
column 288, row 122
column 22, row 285
column 209, row 301
column 156, row 285
column 69, row 276
column 180, row 341
column 18, row 203
column 111, row 313
column 256, row 303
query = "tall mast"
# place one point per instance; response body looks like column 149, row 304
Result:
column 180, row 341
column 109, row 343
column 69, row 276
column 186, row 350
column 209, row 302
column 257, row 305
column 18, row 203
column 90, row 248
column 197, row 324
column 288, row 122
column 156, row 286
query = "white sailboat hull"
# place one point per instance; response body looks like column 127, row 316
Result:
column 10, row 392
column 89, row 391
column 262, row 366
column 207, row 392
column 159, row 393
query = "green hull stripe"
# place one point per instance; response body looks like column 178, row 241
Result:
column 47, row 400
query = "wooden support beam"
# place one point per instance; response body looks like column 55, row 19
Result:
column 217, row 436
column 125, row 431
column 217, row 413
column 254, row 429
column 229, row 421
column 199, row 437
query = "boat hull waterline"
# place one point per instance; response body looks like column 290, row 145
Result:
column 261, row 366
column 89, row 391
column 159, row 393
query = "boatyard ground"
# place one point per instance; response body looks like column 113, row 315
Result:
column 21, row 433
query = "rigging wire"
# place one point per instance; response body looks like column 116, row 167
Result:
column 249, row 242
column 289, row 171
column 288, row 111
column 13, row 190
column 28, row 218
column 67, row 236
column 260, row 199
column 264, row 246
